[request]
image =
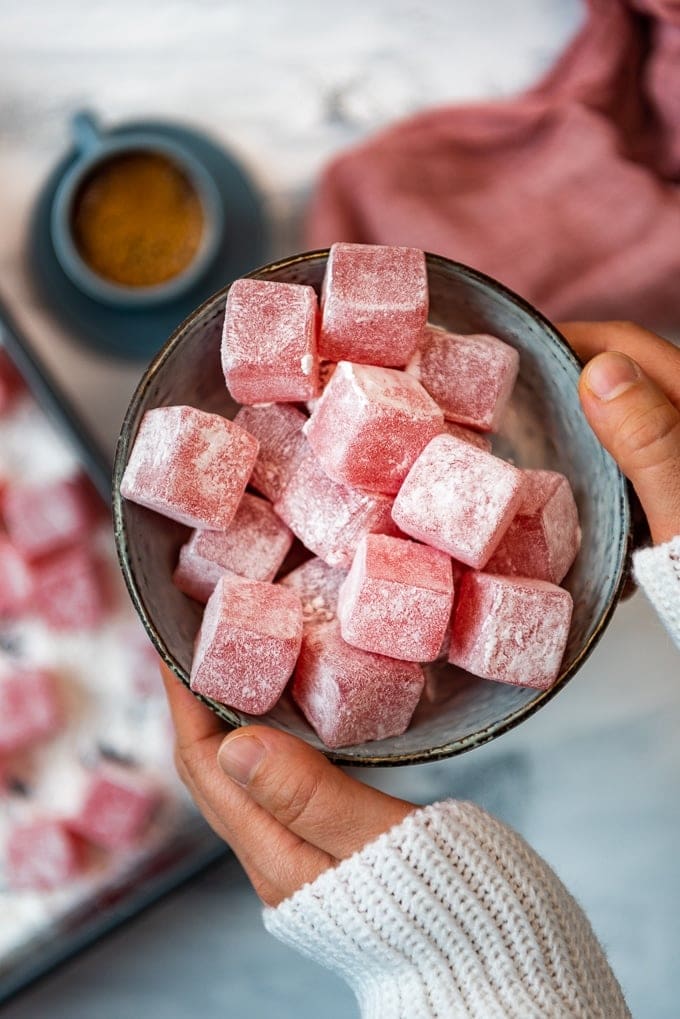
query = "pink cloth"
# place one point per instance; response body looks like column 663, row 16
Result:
column 568, row 193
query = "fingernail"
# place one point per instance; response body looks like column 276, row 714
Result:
column 239, row 756
column 610, row 375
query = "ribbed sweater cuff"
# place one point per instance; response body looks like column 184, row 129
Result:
column 657, row 571
column 451, row 914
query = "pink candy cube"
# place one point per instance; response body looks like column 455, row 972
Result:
column 317, row 585
column 116, row 808
column 459, row 499
column 247, row 645
column 42, row 855
column 350, row 696
column 370, row 425
column 29, row 709
column 397, row 598
column 190, row 466
column 278, row 430
column 478, row 439
column 470, row 377
column 15, row 580
column 374, row 304
column 544, row 538
column 254, row 546
column 329, row 518
column 511, row 629
column 70, row 589
column 269, row 342
column 41, row 519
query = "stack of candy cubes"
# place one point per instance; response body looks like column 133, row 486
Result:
column 365, row 433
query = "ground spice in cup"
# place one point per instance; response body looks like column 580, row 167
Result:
column 137, row 219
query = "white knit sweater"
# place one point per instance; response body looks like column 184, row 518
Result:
column 451, row 914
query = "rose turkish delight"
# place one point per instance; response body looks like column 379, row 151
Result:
column 459, row 499
column 30, row 711
column 317, row 585
column 374, row 304
column 511, row 629
column 470, row 377
column 370, row 425
column 278, row 429
column 351, row 696
column 478, row 439
column 269, row 350
column 15, row 580
column 254, row 546
column 42, row 855
column 248, row 644
column 397, row 598
column 70, row 590
column 115, row 809
column 44, row 518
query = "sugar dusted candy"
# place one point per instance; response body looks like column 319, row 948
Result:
column 115, row 808
column 42, row 855
column 374, row 304
column 397, row 598
column 317, row 585
column 254, row 546
column 278, row 429
column 544, row 538
column 269, row 352
column 30, row 711
column 510, row 629
column 479, row 439
column 16, row 583
column 330, row 518
column 351, row 696
column 459, row 499
column 248, row 644
column 43, row 518
column 70, row 590
column 370, row 425
column 190, row 466
column 470, row 377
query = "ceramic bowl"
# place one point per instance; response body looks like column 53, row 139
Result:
column 543, row 427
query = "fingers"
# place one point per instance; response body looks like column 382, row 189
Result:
column 636, row 422
column 306, row 793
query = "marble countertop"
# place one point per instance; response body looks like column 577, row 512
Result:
column 592, row 779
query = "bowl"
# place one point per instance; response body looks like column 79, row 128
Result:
column 543, row 427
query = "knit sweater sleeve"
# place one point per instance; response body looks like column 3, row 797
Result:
column 451, row 914
column 657, row 571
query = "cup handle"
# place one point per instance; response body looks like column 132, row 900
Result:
column 86, row 132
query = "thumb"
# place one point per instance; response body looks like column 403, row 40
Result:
column 640, row 427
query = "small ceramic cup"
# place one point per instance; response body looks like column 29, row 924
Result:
column 95, row 148
column 543, row 427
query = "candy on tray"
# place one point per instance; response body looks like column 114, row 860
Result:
column 317, row 584
column 479, row 439
column 511, row 629
column 330, row 518
column 190, row 466
column 16, row 583
column 248, row 643
column 43, row 518
column 459, row 499
column 116, row 807
column 30, row 711
column 42, row 855
column 374, row 304
column 370, row 425
column 397, row 598
column 470, row 377
column 253, row 546
column 269, row 342
column 278, row 429
column 544, row 538
column 70, row 589
column 351, row 696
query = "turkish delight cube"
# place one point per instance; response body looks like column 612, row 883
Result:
column 351, row 696
column 459, row 499
column 317, row 584
column 70, row 590
column 253, row 546
column 44, row 518
column 115, row 809
column 30, row 711
column 278, row 429
column 510, row 629
column 16, row 583
column 248, row 644
column 269, row 352
column 470, row 377
column 374, row 304
column 370, row 425
column 544, row 538
column 42, row 855
column 190, row 466
column 397, row 598
column 479, row 439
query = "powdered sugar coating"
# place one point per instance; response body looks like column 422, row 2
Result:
column 278, row 429
column 41, row 855
column 269, row 342
column 115, row 809
column 317, row 584
column 31, row 711
column 459, row 499
column 15, row 580
column 370, row 424
column 510, row 629
column 248, row 644
column 397, row 598
column 42, row 518
column 351, row 696
column 190, row 466
column 374, row 304
column 470, row 376
column 544, row 538
column 70, row 590
column 479, row 439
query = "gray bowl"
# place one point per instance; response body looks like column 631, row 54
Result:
column 543, row 427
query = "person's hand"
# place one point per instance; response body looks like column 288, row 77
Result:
column 630, row 394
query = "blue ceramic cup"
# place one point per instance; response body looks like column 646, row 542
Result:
column 94, row 149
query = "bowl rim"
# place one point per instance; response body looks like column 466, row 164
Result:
column 344, row 756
